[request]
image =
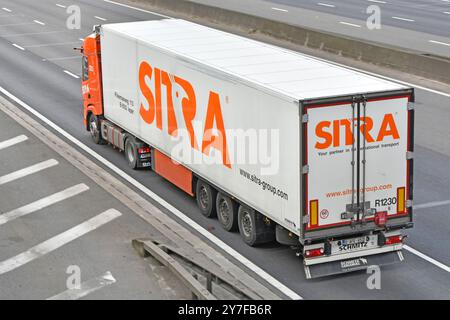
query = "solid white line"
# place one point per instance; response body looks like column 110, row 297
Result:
column 18, row 47
column 403, row 19
column 42, row 203
column 58, row 241
column 326, row 5
column 438, row 42
column 350, row 24
column 86, row 288
column 427, row 258
column 100, row 18
column 27, row 171
column 431, row 204
column 8, row 143
column 60, row 5
column 39, row 22
column 259, row 271
column 71, row 74
column 279, row 9
column 7, row 10
column 138, row 9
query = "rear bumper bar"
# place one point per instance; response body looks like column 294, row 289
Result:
column 349, row 263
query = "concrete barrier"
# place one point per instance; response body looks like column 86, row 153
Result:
column 416, row 63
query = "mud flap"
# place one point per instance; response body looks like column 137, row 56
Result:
column 353, row 264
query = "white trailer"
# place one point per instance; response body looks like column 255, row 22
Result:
column 278, row 144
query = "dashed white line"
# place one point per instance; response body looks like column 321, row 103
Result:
column 137, row 9
column 11, row 142
column 350, row 24
column 18, row 47
column 39, row 22
column 86, row 288
column 446, row 12
column 58, row 241
column 71, row 74
column 100, row 18
column 60, row 5
column 6, row 9
column 42, row 203
column 27, row 171
column 439, row 42
column 279, row 9
column 377, row 1
column 326, row 5
column 431, row 204
column 403, row 19
column 427, row 258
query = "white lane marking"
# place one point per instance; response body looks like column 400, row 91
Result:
column 6, row 9
column 58, row 241
column 279, row 9
column 100, row 18
column 427, row 258
column 42, row 203
column 71, row 74
column 39, row 22
column 326, row 5
column 403, row 19
column 60, row 5
column 431, row 204
column 18, row 47
column 377, row 1
column 350, row 24
column 446, row 12
column 138, row 9
column 253, row 267
column 61, row 58
column 85, row 288
column 27, row 171
column 328, row 61
column 439, row 42
column 8, row 143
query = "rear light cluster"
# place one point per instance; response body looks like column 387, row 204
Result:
column 394, row 239
column 143, row 150
column 314, row 252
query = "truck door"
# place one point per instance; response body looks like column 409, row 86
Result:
column 357, row 162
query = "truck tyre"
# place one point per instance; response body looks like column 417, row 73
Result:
column 227, row 211
column 94, row 129
column 130, row 153
column 206, row 199
column 253, row 229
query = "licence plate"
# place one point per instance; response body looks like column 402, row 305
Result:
column 354, row 244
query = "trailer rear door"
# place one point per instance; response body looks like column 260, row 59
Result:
column 357, row 161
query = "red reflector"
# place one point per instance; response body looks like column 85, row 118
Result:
column 314, row 252
column 381, row 218
column 394, row 239
column 143, row 150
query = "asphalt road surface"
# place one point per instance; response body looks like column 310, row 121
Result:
column 418, row 25
column 38, row 65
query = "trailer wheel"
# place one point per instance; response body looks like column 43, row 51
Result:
column 206, row 199
column 131, row 153
column 226, row 212
column 94, row 129
column 252, row 227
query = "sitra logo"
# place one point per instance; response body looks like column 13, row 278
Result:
column 214, row 133
column 329, row 133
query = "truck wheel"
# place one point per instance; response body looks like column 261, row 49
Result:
column 252, row 227
column 226, row 210
column 94, row 129
column 206, row 199
column 131, row 153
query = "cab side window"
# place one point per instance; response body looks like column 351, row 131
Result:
column 85, row 70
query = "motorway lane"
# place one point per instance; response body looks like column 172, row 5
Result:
column 57, row 95
column 428, row 15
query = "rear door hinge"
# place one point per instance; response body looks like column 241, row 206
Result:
column 305, row 118
column 305, row 169
column 409, row 155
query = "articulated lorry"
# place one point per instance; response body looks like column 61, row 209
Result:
column 278, row 145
